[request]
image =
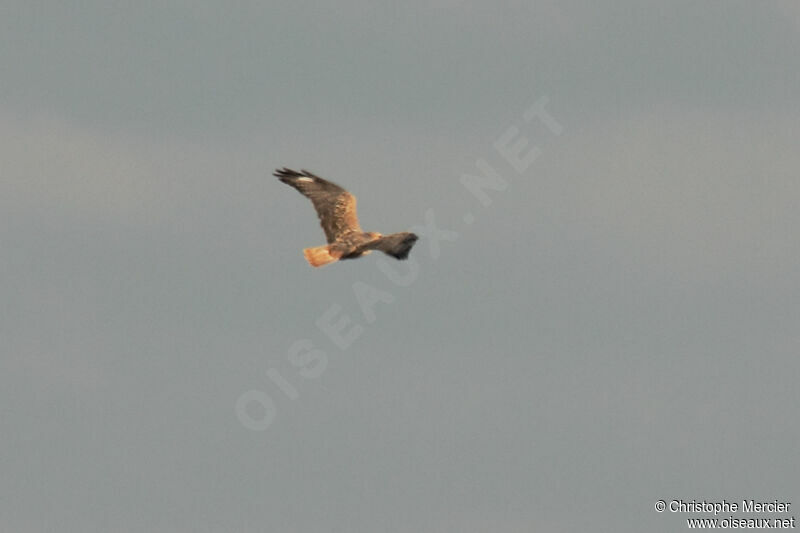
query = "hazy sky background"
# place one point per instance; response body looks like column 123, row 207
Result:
column 620, row 325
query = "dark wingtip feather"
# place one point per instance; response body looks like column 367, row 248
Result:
column 286, row 173
column 405, row 246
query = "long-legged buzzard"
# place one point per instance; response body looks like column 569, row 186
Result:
column 337, row 215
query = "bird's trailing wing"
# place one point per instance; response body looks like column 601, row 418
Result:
column 397, row 244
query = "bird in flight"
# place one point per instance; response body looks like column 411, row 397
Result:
column 337, row 215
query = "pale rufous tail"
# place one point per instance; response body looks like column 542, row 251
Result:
column 319, row 256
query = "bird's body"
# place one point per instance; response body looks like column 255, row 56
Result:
column 337, row 215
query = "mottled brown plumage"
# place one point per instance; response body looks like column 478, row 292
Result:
column 337, row 215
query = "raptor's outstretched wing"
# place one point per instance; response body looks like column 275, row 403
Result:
column 335, row 206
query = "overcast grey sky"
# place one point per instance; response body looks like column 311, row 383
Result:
column 619, row 325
